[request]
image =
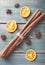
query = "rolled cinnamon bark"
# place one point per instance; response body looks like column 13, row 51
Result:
column 24, row 33
column 33, row 24
column 10, row 47
column 34, row 16
column 5, row 50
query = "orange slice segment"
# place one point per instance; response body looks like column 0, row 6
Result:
column 30, row 55
column 11, row 26
column 25, row 11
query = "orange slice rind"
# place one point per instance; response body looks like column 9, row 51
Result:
column 11, row 26
column 25, row 11
column 30, row 55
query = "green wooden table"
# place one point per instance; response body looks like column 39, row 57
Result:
column 18, row 56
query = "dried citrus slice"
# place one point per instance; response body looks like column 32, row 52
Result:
column 30, row 55
column 11, row 26
column 25, row 11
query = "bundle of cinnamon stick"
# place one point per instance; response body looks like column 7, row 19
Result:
column 36, row 17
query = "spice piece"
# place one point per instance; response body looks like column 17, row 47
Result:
column 27, row 41
column 38, row 35
column 25, row 11
column 3, row 37
column 9, row 11
column 17, row 5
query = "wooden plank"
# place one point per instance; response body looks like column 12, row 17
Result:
column 38, row 45
column 9, row 4
column 19, row 59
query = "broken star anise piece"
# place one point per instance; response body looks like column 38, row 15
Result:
column 8, row 11
column 17, row 5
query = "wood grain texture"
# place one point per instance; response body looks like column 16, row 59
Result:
column 19, row 59
column 18, row 55
column 9, row 4
column 36, row 44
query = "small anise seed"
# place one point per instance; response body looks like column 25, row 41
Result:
column 17, row 5
column 9, row 11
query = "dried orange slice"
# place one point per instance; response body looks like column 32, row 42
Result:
column 30, row 55
column 11, row 26
column 25, row 11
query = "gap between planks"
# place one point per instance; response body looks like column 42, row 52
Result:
column 23, row 52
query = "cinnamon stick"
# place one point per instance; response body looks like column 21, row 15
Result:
column 33, row 17
column 5, row 50
column 36, row 14
column 23, row 34
column 33, row 24
column 13, row 45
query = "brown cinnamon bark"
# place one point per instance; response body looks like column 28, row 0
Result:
column 23, row 34
column 33, row 17
column 5, row 50
column 36, row 14
column 33, row 24
column 10, row 47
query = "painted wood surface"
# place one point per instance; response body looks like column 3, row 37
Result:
column 9, row 4
column 37, row 44
column 18, row 55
